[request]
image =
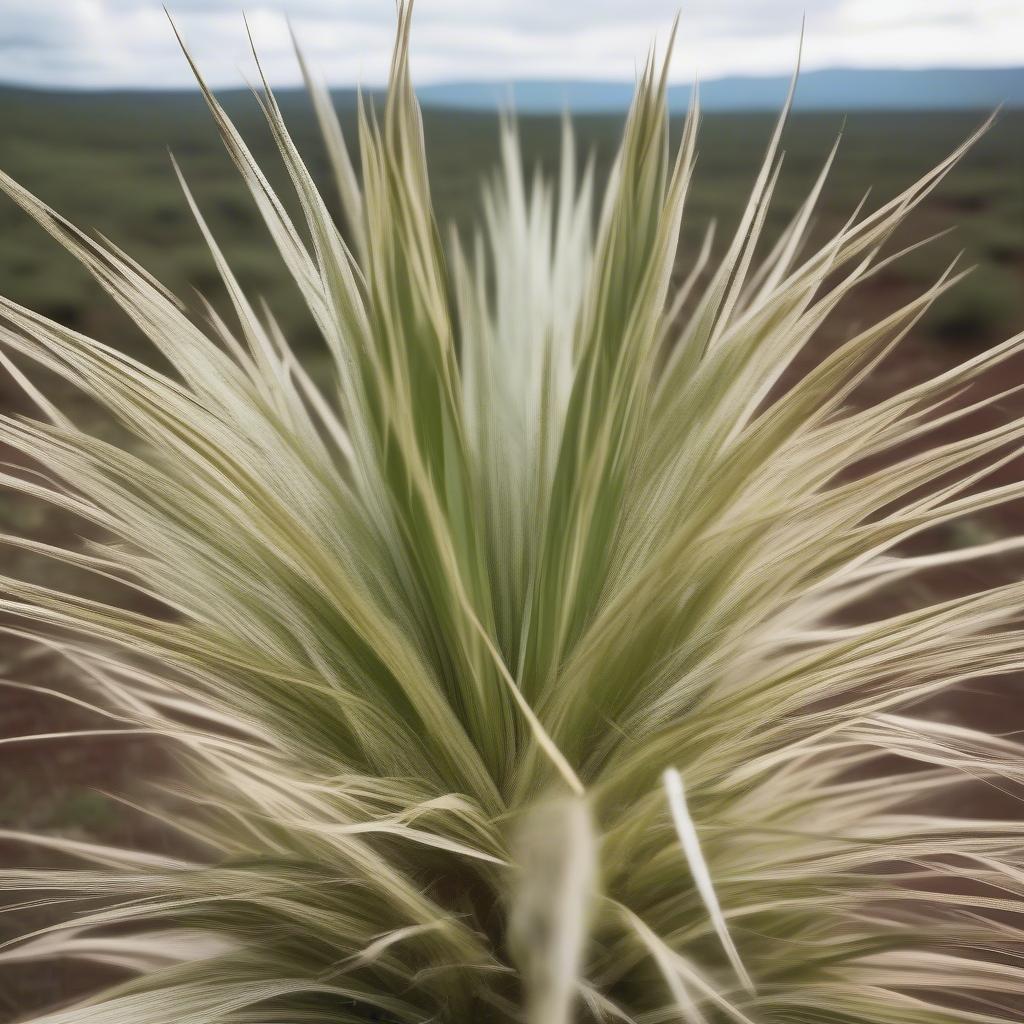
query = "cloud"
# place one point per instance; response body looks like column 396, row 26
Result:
column 129, row 42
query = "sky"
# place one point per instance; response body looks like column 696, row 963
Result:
column 129, row 43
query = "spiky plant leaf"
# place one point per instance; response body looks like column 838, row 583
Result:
column 514, row 671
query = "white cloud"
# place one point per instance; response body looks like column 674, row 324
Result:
column 129, row 42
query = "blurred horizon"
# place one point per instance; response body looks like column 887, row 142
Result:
column 840, row 89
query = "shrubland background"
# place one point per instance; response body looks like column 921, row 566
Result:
column 102, row 161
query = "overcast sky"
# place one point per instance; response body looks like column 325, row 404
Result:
column 129, row 42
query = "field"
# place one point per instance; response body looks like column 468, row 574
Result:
column 102, row 161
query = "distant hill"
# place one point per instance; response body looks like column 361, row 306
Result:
column 830, row 89
column 841, row 89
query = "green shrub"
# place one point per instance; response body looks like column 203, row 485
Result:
column 976, row 311
column 508, row 673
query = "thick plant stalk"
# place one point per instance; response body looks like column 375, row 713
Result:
column 444, row 637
